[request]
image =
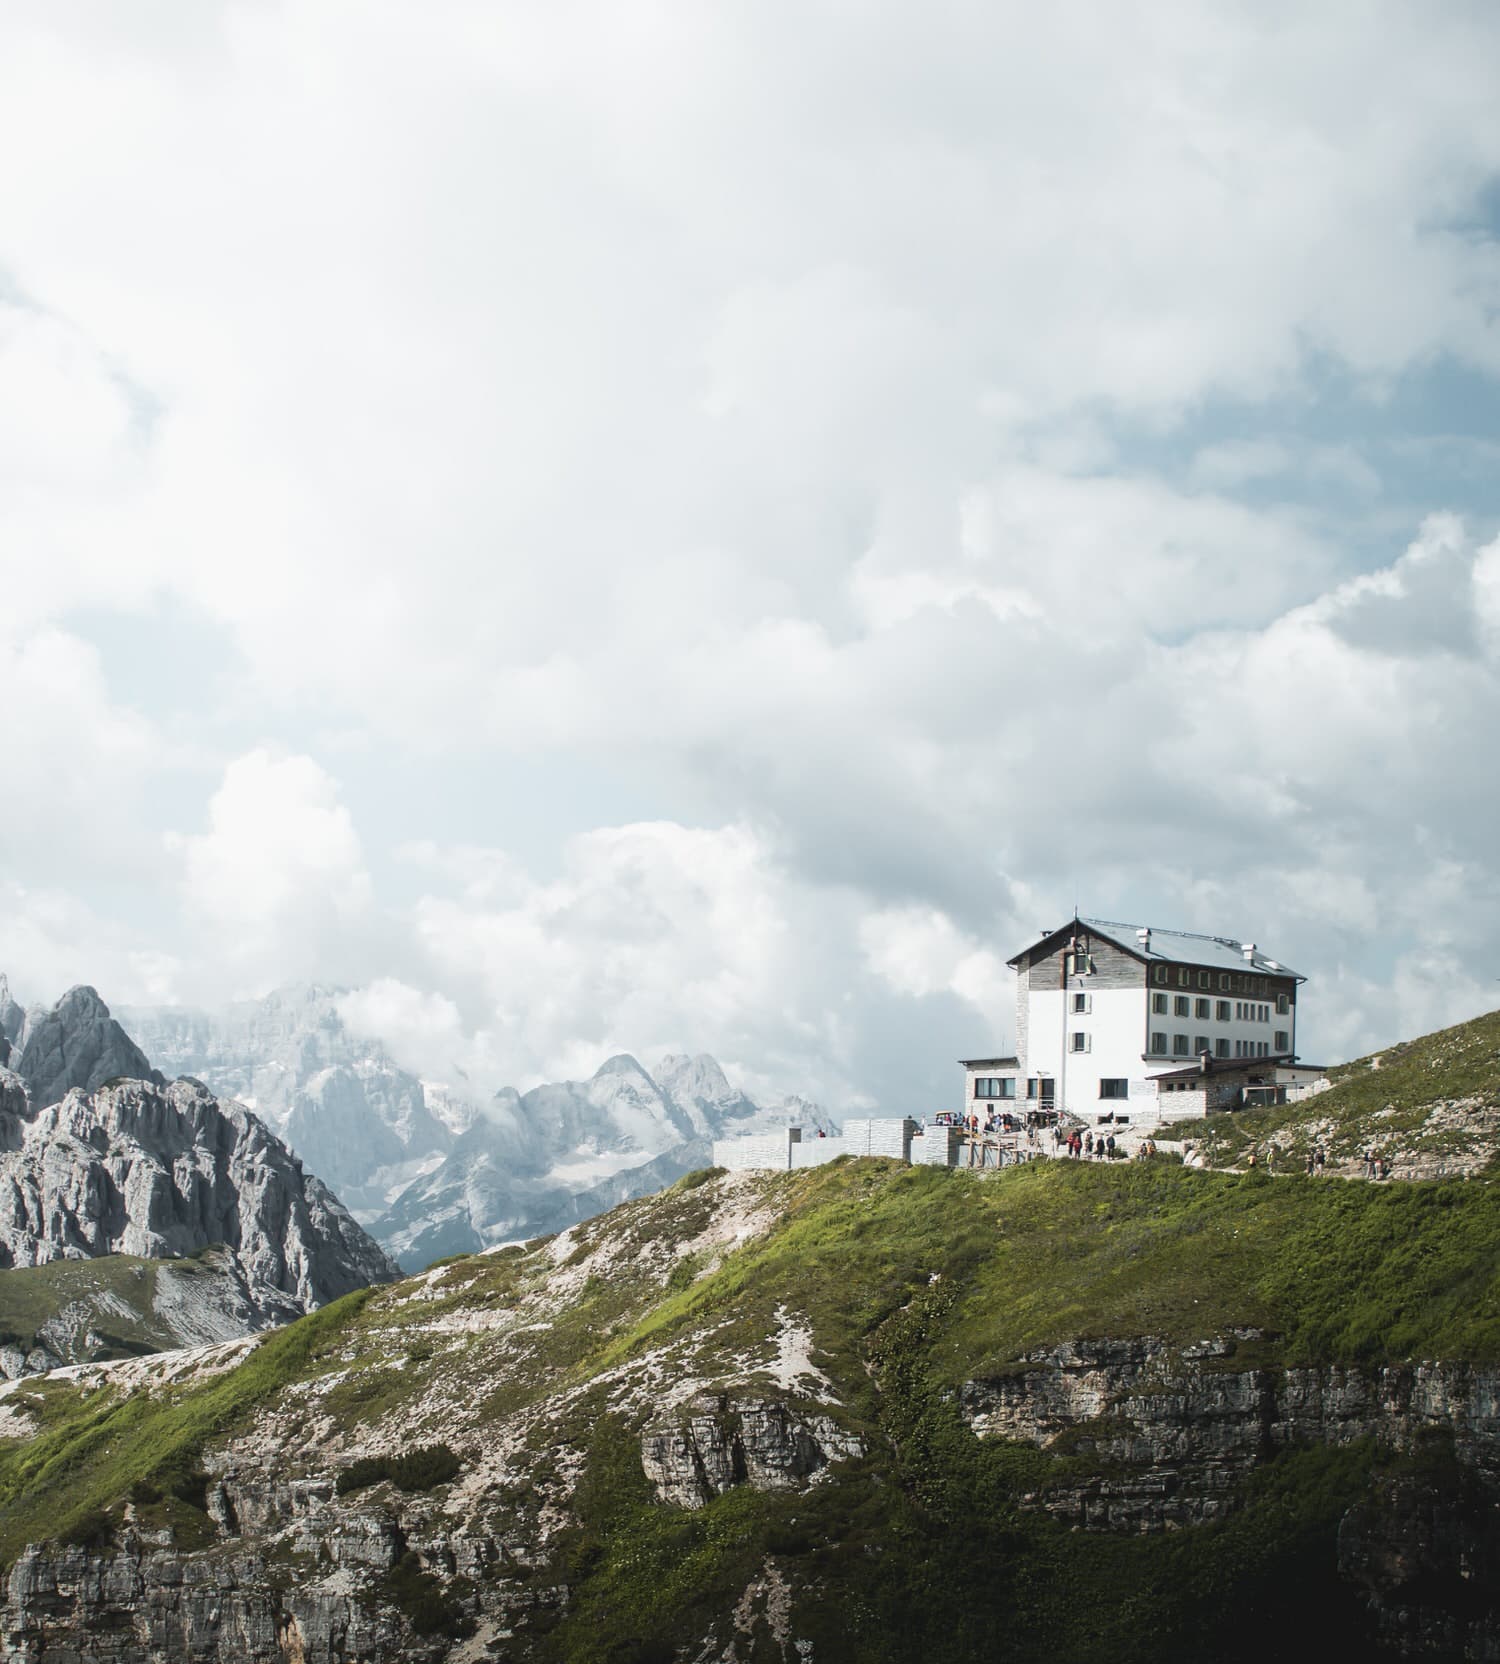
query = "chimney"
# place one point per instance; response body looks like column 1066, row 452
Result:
column 1203, row 1058
column 1143, row 936
column 1248, row 949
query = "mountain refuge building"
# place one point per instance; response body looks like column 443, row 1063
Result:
column 1129, row 1023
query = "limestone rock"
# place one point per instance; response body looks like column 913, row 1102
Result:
column 1181, row 1429
column 77, row 1044
column 719, row 1442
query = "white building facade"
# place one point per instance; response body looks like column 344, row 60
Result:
column 1104, row 1010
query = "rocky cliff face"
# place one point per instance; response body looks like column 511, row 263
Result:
column 165, row 1171
column 12, row 1021
column 717, row 1442
column 1177, row 1431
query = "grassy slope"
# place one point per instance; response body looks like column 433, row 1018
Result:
column 32, row 1296
column 922, row 1548
column 1398, row 1107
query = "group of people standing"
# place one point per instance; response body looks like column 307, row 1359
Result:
column 1085, row 1146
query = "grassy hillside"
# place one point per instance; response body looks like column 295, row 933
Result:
column 92, row 1309
column 537, row 1368
column 1431, row 1106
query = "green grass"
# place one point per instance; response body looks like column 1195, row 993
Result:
column 31, row 1296
column 1056, row 1250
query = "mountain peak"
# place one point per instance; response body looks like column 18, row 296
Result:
column 622, row 1063
column 77, row 1043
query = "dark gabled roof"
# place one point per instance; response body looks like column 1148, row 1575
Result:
column 1171, row 947
column 988, row 1062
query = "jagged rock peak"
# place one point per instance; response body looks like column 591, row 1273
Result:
column 622, row 1063
column 12, row 1021
column 77, row 1044
column 161, row 1171
column 699, row 1076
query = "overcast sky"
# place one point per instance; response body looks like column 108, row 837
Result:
column 674, row 526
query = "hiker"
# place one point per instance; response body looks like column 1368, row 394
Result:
column 1322, row 1156
column 1311, row 1163
column 1109, row 1145
column 1385, row 1168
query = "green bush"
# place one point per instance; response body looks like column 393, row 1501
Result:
column 92, row 1529
column 427, row 1606
column 421, row 1469
column 699, row 1175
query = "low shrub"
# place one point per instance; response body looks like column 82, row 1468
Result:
column 420, row 1469
column 427, row 1606
column 92, row 1529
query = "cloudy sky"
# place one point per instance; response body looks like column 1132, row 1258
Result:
column 636, row 526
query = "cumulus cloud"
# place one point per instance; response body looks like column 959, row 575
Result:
column 277, row 882
column 934, row 479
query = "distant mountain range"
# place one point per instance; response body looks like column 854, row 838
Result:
column 428, row 1171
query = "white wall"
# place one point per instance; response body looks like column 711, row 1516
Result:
column 1116, row 1027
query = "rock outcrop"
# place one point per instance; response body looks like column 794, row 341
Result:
column 719, row 1442
column 165, row 1171
column 12, row 1021
column 76, row 1044
column 1177, row 1431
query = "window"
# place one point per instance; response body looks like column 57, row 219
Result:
column 1223, row 982
column 1221, row 1011
column 1158, row 973
column 1184, row 977
column 1083, row 1002
column 1182, row 1006
column 1078, row 1041
column 1159, row 1004
column 1114, row 1088
column 1205, row 980
column 1158, row 1045
column 1283, row 1005
column 1283, row 1040
column 1201, row 1045
column 1180, row 1045
column 1080, row 964
column 1048, row 1088
column 1221, row 1048
column 995, row 1086
column 1203, row 1009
